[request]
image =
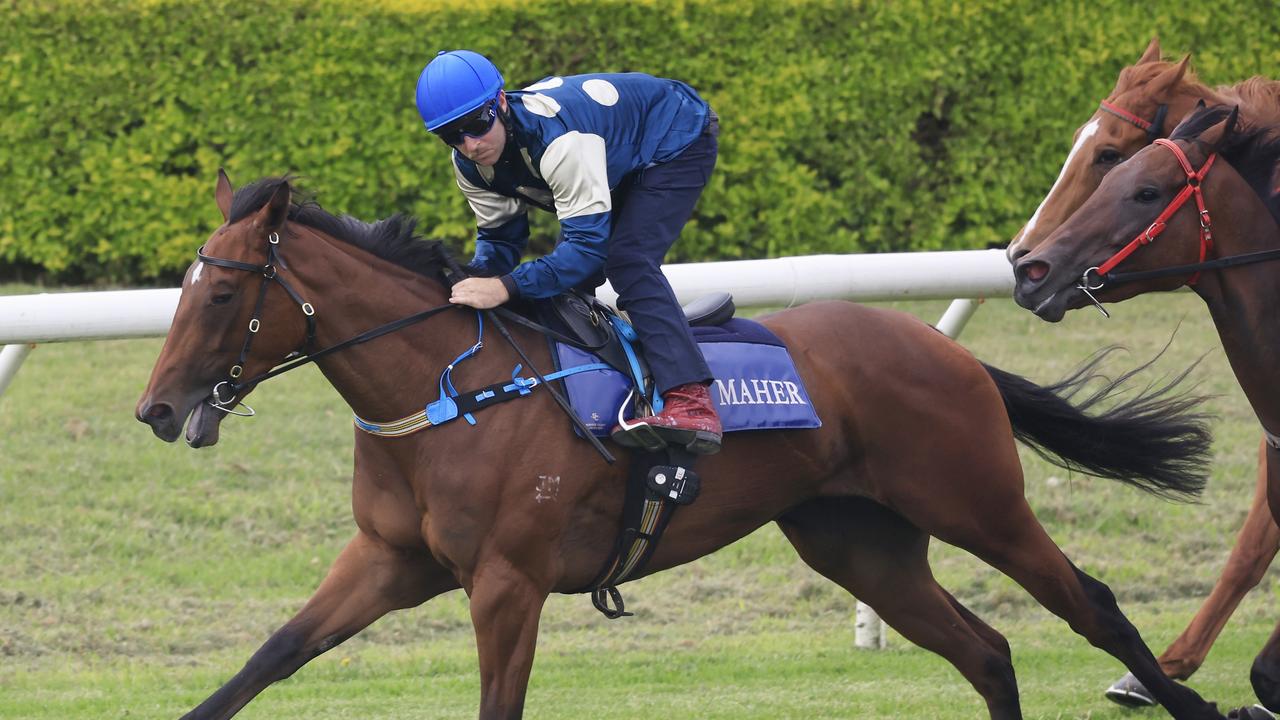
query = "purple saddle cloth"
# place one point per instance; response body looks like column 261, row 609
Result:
column 756, row 383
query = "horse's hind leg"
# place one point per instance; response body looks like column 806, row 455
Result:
column 1008, row 536
column 883, row 560
column 368, row 580
column 1254, row 549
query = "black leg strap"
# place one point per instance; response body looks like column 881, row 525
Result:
column 657, row 484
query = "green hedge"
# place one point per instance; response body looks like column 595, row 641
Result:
column 846, row 126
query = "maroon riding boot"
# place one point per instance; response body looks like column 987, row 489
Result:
column 688, row 419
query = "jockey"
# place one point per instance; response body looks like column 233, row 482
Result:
column 620, row 159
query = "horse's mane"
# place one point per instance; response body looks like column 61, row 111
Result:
column 1253, row 150
column 392, row 239
column 1258, row 98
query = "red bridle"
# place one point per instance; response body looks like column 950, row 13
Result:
column 1154, row 128
column 1194, row 180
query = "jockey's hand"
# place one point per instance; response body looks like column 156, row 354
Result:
column 480, row 293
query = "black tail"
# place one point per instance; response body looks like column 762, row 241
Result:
column 1155, row 440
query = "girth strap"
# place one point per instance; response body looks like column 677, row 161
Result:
column 646, row 513
column 465, row 403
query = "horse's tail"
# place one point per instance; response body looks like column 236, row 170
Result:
column 1155, row 440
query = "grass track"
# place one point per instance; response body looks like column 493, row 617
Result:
column 136, row 576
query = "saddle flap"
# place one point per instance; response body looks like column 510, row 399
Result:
column 588, row 323
column 580, row 317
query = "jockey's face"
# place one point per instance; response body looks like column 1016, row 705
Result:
column 487, row 148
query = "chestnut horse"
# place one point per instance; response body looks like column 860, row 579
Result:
column 917, row 441
column 1219, row 239
column 1149, row 99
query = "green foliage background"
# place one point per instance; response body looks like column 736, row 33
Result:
column 846, row 126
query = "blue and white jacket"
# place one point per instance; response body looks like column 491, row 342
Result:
column 571, row 141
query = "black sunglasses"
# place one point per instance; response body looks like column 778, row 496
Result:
column 473, row 124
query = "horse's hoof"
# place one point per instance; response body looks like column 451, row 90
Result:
column 1129, row 692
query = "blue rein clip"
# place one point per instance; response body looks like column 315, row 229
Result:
column 446, row 409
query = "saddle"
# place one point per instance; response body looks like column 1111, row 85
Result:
column 582, row 321
column 657, row 482
column 756, row 382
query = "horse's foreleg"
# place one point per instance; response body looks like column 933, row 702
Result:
column 505, row 607
column 1255, row 548
column 1265, row 673
column 368, row 580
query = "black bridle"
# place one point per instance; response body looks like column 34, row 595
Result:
column 299, row 357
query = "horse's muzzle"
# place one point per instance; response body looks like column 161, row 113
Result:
column 161, row 417
column 202, row 421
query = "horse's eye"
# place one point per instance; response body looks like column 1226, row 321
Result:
column 1147, row 195
column 222, row 298
column 1109, row 156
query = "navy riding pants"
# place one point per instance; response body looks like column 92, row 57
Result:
column 650, row 208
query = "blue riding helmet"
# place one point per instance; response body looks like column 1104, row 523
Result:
column 453, row 84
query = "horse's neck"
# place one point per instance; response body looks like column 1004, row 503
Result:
column 1244, row 301
column 354, row 291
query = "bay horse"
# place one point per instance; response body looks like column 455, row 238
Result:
column 1200, row 208
column 1151, row 97
column 917, row 441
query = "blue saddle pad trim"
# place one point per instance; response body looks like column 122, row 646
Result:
column 756, row 383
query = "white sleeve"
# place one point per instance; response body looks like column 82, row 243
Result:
column 491, row 209
column 575, row 167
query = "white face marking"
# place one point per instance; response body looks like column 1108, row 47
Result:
column 195, row 274
column 1086, row 132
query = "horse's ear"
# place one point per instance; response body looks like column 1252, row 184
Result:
column 1152, row 53
column 1220, row 134
column 223, row 194
column 1164, row 83
column 272, row 215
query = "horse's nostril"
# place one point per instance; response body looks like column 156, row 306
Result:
column 159, row 411
column 1034, row 271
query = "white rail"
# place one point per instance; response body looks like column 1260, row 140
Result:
column 64, row 317
column 26, row 320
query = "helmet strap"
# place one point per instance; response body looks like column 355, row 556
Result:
column 504, row 114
